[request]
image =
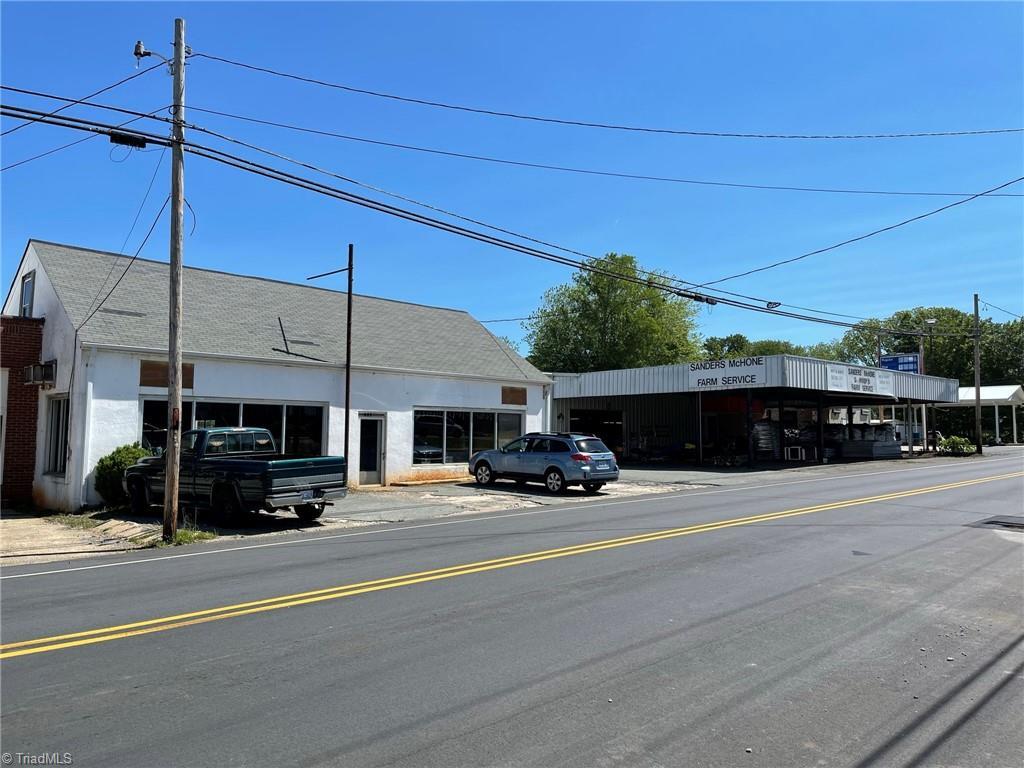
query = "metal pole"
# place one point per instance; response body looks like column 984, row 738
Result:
column 173, row 452
column 700, row 430
column 977, row 377
column 348, row 356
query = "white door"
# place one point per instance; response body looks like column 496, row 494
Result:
column 371, row 450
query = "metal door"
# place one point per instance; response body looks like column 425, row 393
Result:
column 371, row 450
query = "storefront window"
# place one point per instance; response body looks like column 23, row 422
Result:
column 510, row 426
column 154, row 423
column 450, row 437
column 209, row 415
column 483, row 431
column 265, row 415
column 456, row 448
column 428, row 437
column 304, row 428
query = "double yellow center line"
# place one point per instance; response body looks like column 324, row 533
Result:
column 105, row 634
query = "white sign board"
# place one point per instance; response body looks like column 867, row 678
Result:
column 727, row 374
column 865, row 381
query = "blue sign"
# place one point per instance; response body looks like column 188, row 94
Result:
column 909, row 363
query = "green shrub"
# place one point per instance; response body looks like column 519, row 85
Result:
column 956, row 446
column 110, row 472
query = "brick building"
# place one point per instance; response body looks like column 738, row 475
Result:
column 21, row 341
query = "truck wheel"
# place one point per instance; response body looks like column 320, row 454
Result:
column 138, row 499
column 483, row 474
column 308, row 512
column 592, row 487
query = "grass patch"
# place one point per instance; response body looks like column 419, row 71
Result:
column 82, row 522
column 188, row 535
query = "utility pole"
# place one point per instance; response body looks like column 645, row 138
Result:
column 172, row 454
column 977, row 377
column 348, row 344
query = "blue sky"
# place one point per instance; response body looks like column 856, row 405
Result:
column 763, row 67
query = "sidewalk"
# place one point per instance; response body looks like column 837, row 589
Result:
column 27, row 537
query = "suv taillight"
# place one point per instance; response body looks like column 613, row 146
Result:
column 582, row 458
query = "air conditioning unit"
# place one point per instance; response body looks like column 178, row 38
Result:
column 44, row 374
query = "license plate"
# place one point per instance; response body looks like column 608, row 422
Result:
column 309, row 495
column 602, row 466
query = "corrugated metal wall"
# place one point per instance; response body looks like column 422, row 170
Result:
column 780, row 371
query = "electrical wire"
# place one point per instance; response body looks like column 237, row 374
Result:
column 131, row 261
column 585, row 123
column 135, row 221
column 993, row 306
column 276, row 174
column 62, row 147
column 478, row 222
column 518, row 163
column 72, row 103
column 571, row 169
column 861, row 237
column 500, row 229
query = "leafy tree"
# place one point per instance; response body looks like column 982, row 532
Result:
column 109, row 473
column 738, row 345
column 598, row 322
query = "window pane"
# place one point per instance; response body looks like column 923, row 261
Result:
column 263, row 415
column 456, row 448
column 210, row 415
column 217, row 443
column 304, row 430
column 427, row 437
column 154, row 422
column 264, row 443
column 483, row 432
column 510, row 426
column 540, row 446
column 516, row 446
column 57, row 436
column 592, row 445
column 559, row 446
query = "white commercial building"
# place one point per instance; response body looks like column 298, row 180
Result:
column 429, row 385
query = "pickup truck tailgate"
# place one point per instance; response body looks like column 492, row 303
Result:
column 287, row 475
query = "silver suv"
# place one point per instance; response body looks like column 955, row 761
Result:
column 557, row 459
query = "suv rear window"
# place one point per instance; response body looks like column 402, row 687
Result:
column 591, row 445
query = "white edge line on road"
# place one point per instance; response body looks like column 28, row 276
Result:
column 476, row 519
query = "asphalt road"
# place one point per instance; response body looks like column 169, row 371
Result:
column 861, row 620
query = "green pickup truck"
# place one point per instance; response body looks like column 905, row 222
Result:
column 237, row 469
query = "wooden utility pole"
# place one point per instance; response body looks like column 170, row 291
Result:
column 348, row 356
column 172, row 454
column 977, row 377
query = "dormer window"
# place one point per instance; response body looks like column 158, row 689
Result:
column 28, row 291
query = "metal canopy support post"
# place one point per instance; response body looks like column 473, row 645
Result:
column 782, row 431
column 849, row 422
column 750, row 428
column 1013, row 415
column 995, row 411
column 700, row 430
column 821, row 432
column 910, row 428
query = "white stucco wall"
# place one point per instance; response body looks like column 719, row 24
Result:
column 52, row 491
column 115, row 404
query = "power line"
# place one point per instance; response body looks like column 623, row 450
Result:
column 861, row 237
column 585, row 123
column 138, row 213
column 993, row 306
column 276, row 174
column 72, row 103
column 478, row 222
column 572, row 169
column 127, row 267
column 62, row 147
column 524, row 163
column 493, row 227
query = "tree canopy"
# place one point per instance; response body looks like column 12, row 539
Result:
column 599, row 322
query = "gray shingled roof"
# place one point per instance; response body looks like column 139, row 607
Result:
column 235, row 315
